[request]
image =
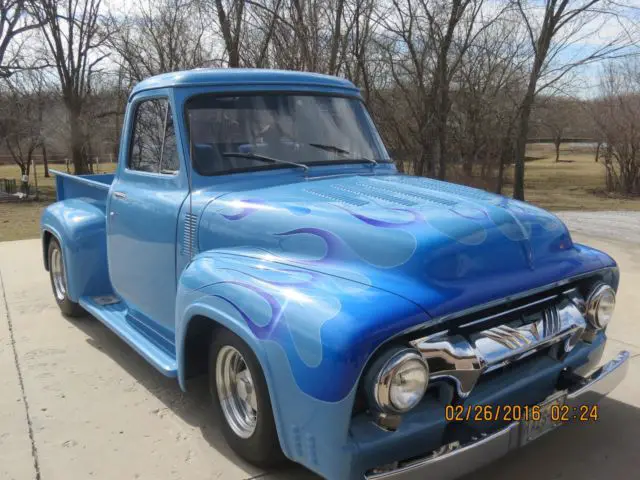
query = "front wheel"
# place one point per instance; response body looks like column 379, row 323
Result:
column 58, row 277
column 241, row 400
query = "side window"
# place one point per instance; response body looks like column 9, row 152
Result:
column 153, row 147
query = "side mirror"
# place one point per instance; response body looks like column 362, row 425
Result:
column 204, row 158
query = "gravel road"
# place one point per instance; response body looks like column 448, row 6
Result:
column 621, row 226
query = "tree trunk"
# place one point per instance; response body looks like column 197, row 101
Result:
column 557, row 144
column 506, row 152
column 45, row 161
column 443, row 111
column 35, row 178
column 77, row 157
column 541, row 49
column 598, row 151
column 335, row 40
column 467, row 164
column 442, row 90
column 234, row 56
column 230, row 42
column 429, row 156
column 500, row 179
column 521, row 136
column 443, row 150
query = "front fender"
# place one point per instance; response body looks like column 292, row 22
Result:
column 79, row 227
column 312, row 333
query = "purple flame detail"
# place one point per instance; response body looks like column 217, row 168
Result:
column 247, row 210
column 253, row 204
column 417, row 217
column 276, row 309
column 471, row 213
column 334, row 244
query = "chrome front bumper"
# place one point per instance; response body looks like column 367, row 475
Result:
column 460, row 460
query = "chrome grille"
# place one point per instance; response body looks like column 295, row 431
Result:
column 464, row 356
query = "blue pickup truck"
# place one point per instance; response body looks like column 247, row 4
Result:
column 361, row 322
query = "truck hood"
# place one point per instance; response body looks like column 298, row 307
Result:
column 443, row 246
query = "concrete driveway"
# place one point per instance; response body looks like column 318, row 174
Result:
column 77, row 403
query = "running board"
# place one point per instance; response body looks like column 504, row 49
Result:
column 114, row 316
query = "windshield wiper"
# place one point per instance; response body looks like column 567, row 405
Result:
column 370, row 160
column 264, row 158
column 333, row 148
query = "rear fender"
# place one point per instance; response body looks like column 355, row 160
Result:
column 79, row 228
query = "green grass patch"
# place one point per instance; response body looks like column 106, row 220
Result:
column 21, row 219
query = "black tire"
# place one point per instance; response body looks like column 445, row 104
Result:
column 262, row 448
column 66, row 305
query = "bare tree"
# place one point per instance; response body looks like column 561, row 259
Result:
column 461, row 25
column 362, row 62
column 451, row 83
column 617, row 115
column 490, row 81
column 425, row 43
column 558, row 117
column 553, row 28
column 230, row 15
column 15, row 21
column 74, row 38
column 311, row 35
column 161, row 36
column 21, row 117
column 336, row 38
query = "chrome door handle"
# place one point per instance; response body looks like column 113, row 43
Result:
column 120, row 195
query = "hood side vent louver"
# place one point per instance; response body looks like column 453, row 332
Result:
column 421, row 196
column 338, row 197
column 444, row 187
column 406, row 192
column 377, row 195
column 190, row 235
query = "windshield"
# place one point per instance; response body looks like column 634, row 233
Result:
column 231, row 133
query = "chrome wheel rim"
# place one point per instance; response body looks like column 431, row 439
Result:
column 236, row 392
column 57, row 273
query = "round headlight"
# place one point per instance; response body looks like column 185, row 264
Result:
column 401, row 382
column 600, row 305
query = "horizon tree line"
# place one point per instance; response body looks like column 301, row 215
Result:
column 455, row 86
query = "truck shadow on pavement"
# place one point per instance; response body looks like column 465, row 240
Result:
column 193, row 407
column 606, row 448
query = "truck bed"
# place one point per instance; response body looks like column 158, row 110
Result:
column 91, row 187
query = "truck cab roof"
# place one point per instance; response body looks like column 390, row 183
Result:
column 244, row 76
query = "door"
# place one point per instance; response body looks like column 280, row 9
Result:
column 143, row 207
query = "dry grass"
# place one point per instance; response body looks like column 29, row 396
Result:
column 20, row 220
column 574, row 183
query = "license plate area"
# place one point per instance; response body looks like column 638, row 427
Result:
column 532, row 429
